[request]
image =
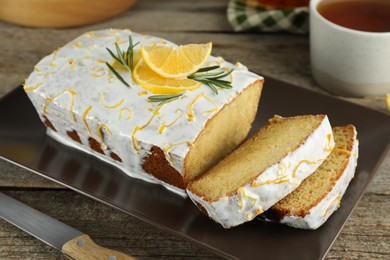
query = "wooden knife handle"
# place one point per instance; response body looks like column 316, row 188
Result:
column 83, row 247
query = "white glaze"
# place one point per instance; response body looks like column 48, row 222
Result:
column 88, row 77
column 226, row 210
column 323, row 210
column 148, row 178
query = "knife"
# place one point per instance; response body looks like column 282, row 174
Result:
column 73, row 243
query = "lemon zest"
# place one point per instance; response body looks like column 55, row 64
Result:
column 50, row 99
column 283, row 167
column 85, row 119
column 72, row 63
column 304, row 161
column 77, row 44
column 337, row 199
column 37, row 69
column 278, row 180
column 257, row 212
column 108, row 106
column 111, row 78
column 163, row 41
column 92, row 35
column 241, row 195
column 97, row 72
column 140, row 128
column 125, row 109
column 329, row 147
column 230, row 75
column 190, row 113
column 142, row 93
column 100, row 133
column 170, row 147
column 31, row 88
column 164, row 126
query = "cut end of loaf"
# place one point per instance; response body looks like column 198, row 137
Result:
column 273, row 142
column 224, row 132
column 320, row 183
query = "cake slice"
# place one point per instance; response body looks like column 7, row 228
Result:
column 85, row 104
column 263, row 170
column 314, row 201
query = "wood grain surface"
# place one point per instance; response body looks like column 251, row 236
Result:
column 286, row 57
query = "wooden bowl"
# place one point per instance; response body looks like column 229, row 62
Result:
column 282, row 4
column 60, row 13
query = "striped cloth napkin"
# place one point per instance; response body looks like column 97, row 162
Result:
column 269, row 16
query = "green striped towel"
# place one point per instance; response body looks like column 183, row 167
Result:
column 245, row 17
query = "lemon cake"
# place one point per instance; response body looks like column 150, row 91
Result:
column 263, row 170
column 107, row 94
column 314, row 201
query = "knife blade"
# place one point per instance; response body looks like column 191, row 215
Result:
column 73, row 243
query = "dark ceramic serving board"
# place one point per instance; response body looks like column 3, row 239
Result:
column 23, row 141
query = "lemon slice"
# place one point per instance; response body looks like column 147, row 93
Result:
column 156, row 84
column 169, row 62
column 120, row 68
column 136, row 57
column 388, row 101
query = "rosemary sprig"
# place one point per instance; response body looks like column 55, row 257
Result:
column 117, row 75
column 162, row 99
column 125, row 58
column 212, row 77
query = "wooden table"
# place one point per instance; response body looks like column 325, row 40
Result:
column 286, row 57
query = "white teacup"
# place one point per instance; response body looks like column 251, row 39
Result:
column 348, row 62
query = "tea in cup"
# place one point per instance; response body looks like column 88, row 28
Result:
column 350, row 46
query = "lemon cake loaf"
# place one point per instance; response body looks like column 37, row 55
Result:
column 314, row 201
column 263, row 170
column 164, row 121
